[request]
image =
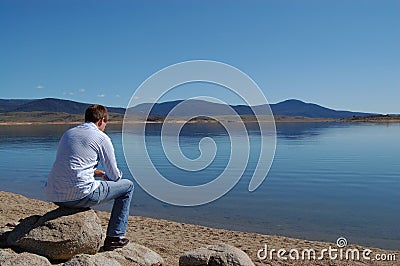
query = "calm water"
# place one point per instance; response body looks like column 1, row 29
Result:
column 327, row 179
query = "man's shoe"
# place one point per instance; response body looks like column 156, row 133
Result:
column 113, row 242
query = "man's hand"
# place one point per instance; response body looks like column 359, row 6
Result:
column 101, row 174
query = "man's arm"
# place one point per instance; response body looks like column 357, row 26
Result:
column 108, row 161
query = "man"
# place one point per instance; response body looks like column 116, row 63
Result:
column 71, row 182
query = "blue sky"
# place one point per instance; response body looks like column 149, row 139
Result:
column 339, row 54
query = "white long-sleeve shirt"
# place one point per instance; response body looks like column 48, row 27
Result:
column 80, row 150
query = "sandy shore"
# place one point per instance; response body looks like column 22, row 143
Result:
column 171, row 239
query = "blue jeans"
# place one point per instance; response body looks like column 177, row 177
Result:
column 121, row 192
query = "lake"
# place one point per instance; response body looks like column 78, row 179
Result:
column 327, row 179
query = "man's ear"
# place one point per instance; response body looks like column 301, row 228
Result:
column 99, row 123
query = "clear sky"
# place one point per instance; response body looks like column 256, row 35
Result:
column 342, row 54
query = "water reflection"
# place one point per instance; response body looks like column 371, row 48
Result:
column 304, row 129
column 283, row 129
column 324, row 182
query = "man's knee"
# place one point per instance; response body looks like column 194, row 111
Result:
column 131, row 186
column 128, row 184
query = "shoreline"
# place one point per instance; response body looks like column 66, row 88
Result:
column 118, row 120
column 172, row 239
column 27, row 123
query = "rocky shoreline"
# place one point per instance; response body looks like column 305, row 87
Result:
column 171, row 239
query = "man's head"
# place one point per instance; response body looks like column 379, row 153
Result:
column 98, row 115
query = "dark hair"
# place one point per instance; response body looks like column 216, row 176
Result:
column 96, row 112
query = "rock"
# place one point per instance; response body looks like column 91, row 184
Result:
column 22, row 259
column 132, row 254
column 91, row 260
column 59, row 234
column 220, row 254
column 3, row 255
column 135, row 254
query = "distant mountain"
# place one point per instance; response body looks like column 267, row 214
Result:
column 7, row 105
column 285, row 108
column 49, row 105
column 186, row 108
column 299, row 108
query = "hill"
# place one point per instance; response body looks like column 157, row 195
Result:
column 7, row 105
column 186, row 108
column 49, row 105
column 285, row 108
column 299, row 108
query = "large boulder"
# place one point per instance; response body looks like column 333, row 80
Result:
column 59, row 234
column 132, row 254
column 135, row 254
column 22, row 259
column 91, row 260
column 220, row 254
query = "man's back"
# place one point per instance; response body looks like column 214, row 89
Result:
column 72, row 174
column 71, row 182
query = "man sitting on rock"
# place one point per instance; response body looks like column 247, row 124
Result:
column 72, row 184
